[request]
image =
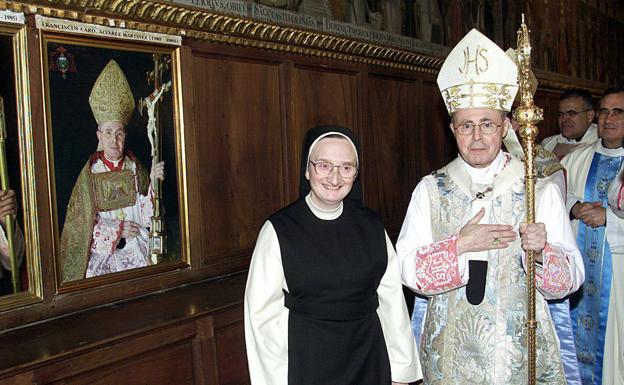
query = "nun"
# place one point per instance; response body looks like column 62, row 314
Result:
column 324, row 303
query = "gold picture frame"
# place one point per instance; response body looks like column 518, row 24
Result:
column 71, row 142
column 19, row 144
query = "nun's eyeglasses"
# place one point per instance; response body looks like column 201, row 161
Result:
column 324, row 168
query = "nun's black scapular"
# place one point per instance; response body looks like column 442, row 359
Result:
column 333, row 269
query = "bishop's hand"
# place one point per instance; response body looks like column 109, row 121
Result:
column 533, row 238
column 130, row 229
column 158, row 171
column 481, row 237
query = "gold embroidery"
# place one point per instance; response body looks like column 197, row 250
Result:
column 479, row 65
column 478, row 95
column 114, row 190
column 485, row 344
column 111, row 98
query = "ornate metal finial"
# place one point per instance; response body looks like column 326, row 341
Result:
column 524, row 70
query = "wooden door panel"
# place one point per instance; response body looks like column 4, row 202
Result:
column 238, row 124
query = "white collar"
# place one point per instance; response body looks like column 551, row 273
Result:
column 564, row 140
column 586, row 138
column 327, row 215
column 608, row 151
column 114, row 162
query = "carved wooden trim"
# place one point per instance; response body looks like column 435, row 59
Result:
column 556, row 81
column 175, row 19
column 169, row 18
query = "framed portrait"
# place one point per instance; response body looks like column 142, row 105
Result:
column 20, row 262
column 113, row 132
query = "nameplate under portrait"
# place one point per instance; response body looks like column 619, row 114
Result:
column 11, row 17
column 75, row 27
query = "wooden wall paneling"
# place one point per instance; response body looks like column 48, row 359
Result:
column 204, row 353
column 160, row 357
column 549, row 102
column 131, row 329
column 193, row 153
column 26, row 378
column 238, row 123
column 389, row 147
column 362, row 126
column 290, row 144
column 321, row 96
column 232, row 359
column 229, row 334
column 167, row 366
column 436, row 144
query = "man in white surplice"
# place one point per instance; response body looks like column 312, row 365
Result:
column 576, row 114
column 598, row 311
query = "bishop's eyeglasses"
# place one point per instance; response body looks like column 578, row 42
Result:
column 324, row 168
column 468, row 128
column 108, row 134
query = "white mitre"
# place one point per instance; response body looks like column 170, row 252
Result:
column 478, row 74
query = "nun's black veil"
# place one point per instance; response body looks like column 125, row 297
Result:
column 304, row 185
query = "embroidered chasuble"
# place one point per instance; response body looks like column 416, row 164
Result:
column 484, row 343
